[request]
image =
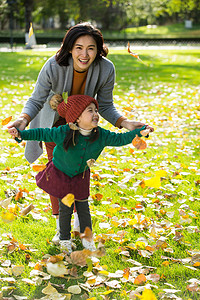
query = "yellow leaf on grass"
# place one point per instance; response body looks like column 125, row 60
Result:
column 148, row 295
column 165, row 263
column 140, row 245
column 7, row 217
column 6, row 120
column 132, row 222
column 104, row 272
column 68, row 200
column 161, row 173
column 153, row 182
column 107, row 292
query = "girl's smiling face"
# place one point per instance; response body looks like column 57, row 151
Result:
column 89, row 118
column 84, row 53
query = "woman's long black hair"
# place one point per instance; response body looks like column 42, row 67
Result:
column 71, row 138
column 63, row 54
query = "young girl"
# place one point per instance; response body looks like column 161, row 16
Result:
column 77, row 143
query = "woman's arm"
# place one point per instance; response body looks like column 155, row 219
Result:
column 105, row 99
column 37, row 99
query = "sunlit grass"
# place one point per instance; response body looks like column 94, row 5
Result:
column 166, row 95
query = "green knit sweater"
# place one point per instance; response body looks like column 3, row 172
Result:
column 74, row 160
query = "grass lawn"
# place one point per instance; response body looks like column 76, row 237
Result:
column 144, row 203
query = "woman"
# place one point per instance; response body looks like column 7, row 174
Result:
column 79, row 67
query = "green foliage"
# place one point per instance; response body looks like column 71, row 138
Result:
column 109, row 15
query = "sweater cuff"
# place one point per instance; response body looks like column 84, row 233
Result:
column 27, row 117
column 19, row 139
column 140, row 129
column 119, row 121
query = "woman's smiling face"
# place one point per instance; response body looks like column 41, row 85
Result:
column 84, row 53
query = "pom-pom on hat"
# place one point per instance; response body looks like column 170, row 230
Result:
column 74, row 107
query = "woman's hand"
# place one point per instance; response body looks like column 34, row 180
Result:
column 20, row 123
column 131, row 125
column 55, row 101
column 14, row 132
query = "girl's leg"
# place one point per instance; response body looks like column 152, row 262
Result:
column 54, row 200
column 84, row 216
column 65, row 214
column 85, row 221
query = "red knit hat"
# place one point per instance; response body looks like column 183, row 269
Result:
column 74, row 107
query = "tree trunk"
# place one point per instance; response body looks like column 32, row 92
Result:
column 28, row 4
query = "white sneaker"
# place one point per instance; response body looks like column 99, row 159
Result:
column 88, row 245
column 77, row 229
column 76, row 222
column 56, row 238
column 66, row 245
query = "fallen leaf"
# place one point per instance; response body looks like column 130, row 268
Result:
column 68, row 200
column 126, row 273
column 17, row 270
column 27, row 209
column 165, row 263
column 38, row 168
column 90, row 162
column 140, row 279
column 74, row 289
column 79, row 258
column 56, row 269
column 87, row 234
column 139, row 143
column 6, row 121
column 148, row 295
column 113, row 284
column 49, row 289
column 153, row 182
column 7, row 217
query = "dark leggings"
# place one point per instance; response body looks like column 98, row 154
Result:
column 65, row 214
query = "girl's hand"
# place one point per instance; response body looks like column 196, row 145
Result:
column 131, row 125
column 14, row 132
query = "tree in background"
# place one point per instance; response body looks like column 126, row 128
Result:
column 107, row 14
column 4, row 12
column 186, row 9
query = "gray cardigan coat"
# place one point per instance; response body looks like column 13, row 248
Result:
column 55, row 79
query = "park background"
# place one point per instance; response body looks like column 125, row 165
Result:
column 144, row 203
